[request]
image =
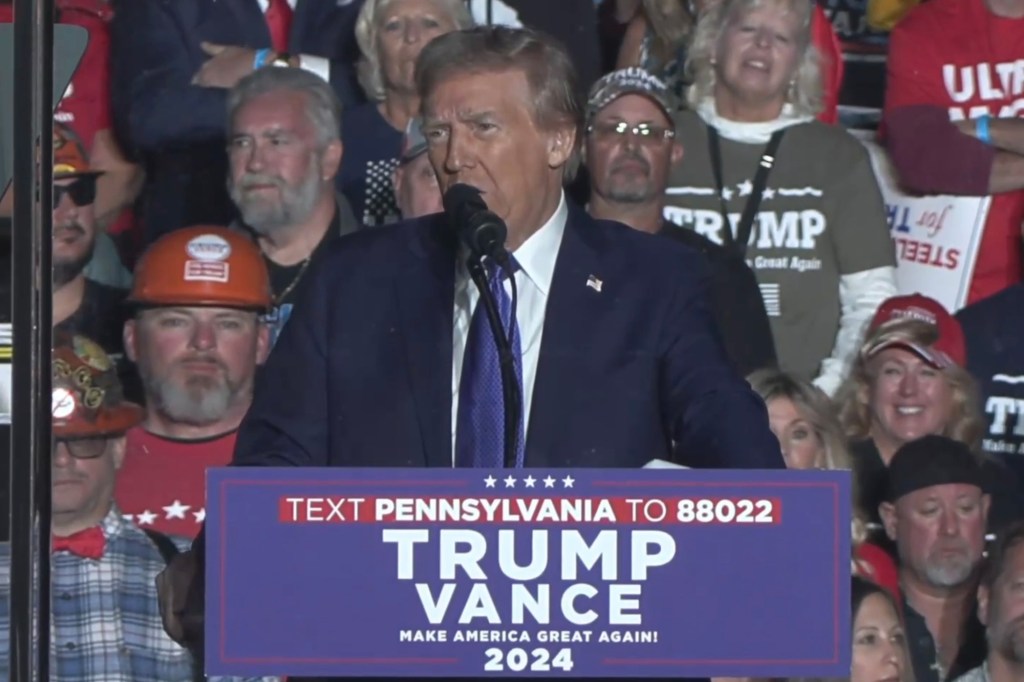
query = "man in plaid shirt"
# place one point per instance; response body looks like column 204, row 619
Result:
column 105, row 623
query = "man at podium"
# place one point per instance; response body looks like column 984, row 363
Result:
column 388, row 359
column 392, row 362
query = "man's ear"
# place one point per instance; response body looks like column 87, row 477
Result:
column 887, row 510
column 330, row 163
column 117, row 448
column 262, row 343
column 397, row 179
column 677, row 153
column 129, row 340
column 983, row 597
column 560, row 145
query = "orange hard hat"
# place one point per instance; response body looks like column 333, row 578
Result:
column 203, row 265
column 87, row 397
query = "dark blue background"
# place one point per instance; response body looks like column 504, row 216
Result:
column 322, row 599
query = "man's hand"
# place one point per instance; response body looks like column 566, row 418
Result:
column 227, row 65
column 172, row 586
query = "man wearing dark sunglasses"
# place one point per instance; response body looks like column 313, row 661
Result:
column 81, row 305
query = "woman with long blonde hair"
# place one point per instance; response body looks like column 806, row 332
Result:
column 804, row 420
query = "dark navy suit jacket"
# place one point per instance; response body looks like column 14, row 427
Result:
column 362, row 373
column 177, row 128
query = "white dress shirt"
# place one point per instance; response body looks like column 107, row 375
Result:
column 317, row 65
column 536, row 258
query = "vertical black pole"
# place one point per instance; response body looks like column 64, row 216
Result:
column 31, row 320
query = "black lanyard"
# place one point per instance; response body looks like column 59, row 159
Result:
column 746, row 224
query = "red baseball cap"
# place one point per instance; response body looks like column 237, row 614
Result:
column 949, row 349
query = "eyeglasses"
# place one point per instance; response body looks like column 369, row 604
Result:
column 82, row 191
column 644, row 132
column 83, row 448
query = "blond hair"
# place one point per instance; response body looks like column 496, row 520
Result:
column 670, row 23
column 854, row 397
column 806, row 90
column 369, row 70
column 813, row 405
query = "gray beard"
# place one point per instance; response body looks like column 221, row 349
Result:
column 952, row 573
column 629, row 196
column 296, row 205
column 196, row 406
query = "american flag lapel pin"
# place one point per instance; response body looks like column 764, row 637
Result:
column 594, row 283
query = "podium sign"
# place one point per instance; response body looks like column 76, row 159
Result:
column 531, row 573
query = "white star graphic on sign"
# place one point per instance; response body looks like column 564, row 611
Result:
column 745, row 188
column 768, row 193
column 176, row 510
column 510, row 482
column 146, row 518
column 529, row 481
column 568, row 481
column 549, row 482
column 727, row 194
column 490, row 481
column 200, row 515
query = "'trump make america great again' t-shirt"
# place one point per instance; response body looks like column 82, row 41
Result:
column 957, row 54
column 821, row 217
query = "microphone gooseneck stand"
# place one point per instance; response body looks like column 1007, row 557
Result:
column 483, row 235
column 510, row 389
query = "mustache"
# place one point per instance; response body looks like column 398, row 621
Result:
column 959, row 546
column 66, row 476
column 73, row 227
column 211, row 359
column 634, row 157
column 249, row 179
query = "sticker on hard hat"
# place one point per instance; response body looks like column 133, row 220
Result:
column 63, row 404
column 208, row 247
column 205, row 271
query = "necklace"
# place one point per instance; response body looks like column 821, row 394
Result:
column 288, row 289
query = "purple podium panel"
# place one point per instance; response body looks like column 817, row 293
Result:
column 528, row 573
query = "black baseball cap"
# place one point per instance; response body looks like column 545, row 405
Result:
column 931, row 461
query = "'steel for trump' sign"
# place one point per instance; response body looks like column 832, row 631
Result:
column 533, row 573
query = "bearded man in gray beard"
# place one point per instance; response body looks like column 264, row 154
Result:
column 936, row 513
column 197, row 338
column 284, row 152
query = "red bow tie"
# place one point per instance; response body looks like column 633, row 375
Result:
column 88, row 543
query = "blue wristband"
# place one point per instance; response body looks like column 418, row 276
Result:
column 260, row 59
column 981, row 129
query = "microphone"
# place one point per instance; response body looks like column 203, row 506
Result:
column 482, row 232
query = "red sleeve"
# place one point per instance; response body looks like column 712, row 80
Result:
column 824, row 37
